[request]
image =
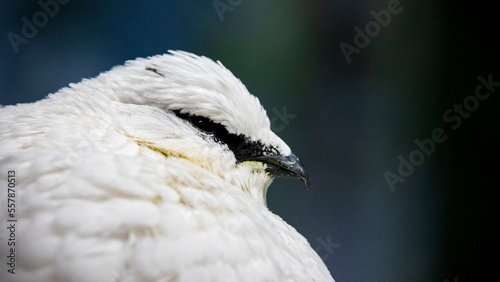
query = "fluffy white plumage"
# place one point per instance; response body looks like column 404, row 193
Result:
column 154, row 171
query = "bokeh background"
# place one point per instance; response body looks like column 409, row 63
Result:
column 348, row 121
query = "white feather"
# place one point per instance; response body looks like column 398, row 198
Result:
column 111, row 186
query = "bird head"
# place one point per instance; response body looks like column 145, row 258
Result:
column 185, row 106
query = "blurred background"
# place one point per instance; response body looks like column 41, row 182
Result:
column 349, row 95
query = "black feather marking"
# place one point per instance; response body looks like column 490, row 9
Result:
column 242, row 146
column 154, row 70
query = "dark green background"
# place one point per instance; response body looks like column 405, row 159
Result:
column 352, row 120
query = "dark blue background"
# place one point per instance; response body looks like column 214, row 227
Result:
column 352, row 120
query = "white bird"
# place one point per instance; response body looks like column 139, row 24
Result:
column 156, row 170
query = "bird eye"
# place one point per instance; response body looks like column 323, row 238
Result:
column 203, row 124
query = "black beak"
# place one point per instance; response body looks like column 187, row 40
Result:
column 285, row 166
column 245, row 149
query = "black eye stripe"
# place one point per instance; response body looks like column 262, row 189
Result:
column 202, row 123
column 242, row 147
column 217, row 130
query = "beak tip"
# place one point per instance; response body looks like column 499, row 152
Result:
column 307, row 183
column 302, row 173
column 287, row 166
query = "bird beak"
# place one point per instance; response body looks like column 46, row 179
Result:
column 285, row 166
